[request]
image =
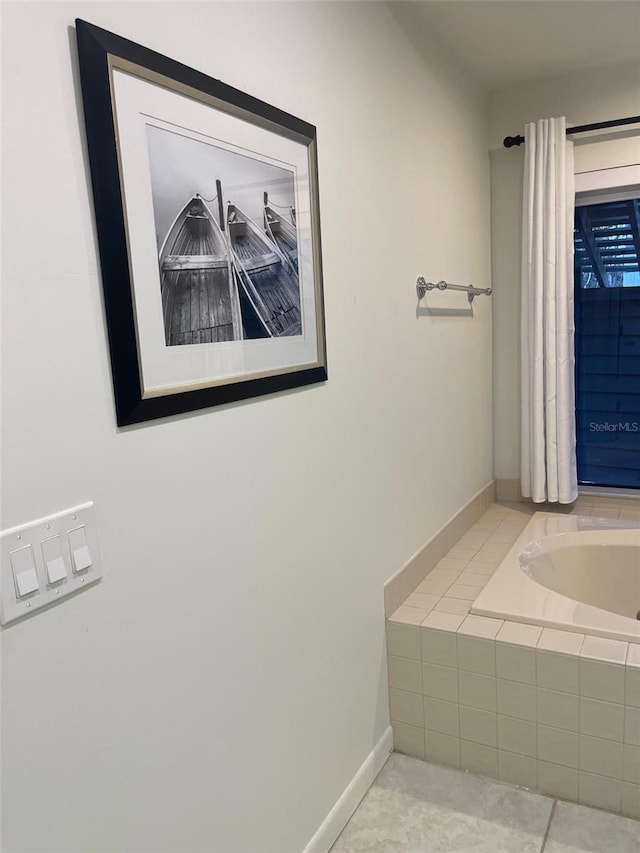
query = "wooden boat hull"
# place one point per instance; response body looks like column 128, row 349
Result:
column 200, row 302
column 283, row 234
column 269, row 286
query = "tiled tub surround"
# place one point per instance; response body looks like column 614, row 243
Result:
column 554, row 711
column 572, row 572
column 405, row 580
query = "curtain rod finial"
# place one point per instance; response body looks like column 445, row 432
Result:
column 511, row 141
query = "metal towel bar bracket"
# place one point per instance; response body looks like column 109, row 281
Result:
column 422, row 286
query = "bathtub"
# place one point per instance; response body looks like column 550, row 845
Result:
column 570, row 572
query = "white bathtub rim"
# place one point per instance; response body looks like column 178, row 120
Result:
column 572, row 539
column 514, row 596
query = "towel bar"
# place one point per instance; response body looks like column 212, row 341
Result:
column 422, row 286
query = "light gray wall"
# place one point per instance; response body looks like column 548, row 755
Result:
column 221, row 687
column 585, row 97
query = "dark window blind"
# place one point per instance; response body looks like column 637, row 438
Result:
column 607, row 291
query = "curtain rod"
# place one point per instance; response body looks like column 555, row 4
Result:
column 511, row 141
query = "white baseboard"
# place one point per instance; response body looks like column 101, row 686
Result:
column 338, row 817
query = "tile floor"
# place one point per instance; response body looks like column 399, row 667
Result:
column 415, row 807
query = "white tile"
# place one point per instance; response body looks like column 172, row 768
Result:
column 559, row 710
column 405, row 707
column 440, row 682
column 516, row 663
column 511, row 529
column 407, row 615
column 632, row 686
column 600, row 791
column 436, row 588
column 459, row 590
column 422, row 601
column 480, row 568
column 633, row 655
column 472, row 540
column 517, row 769
column 517, row 736
column 405, row 674
column 557, row 746
column 586, row 500
column 410, row 577
column 517, row 700
column 632, row 725
column 557, row 780
column 442, row 749
column 444, row 575
column 502, row 538
column 601, row 680
column 609, row 651
column 519, row 634
column 443, row 621
column 479, row 759
column 629, row 514
column 564, row 642
column 450, row 564
column 495, row 550
column 487, row 559
column 477, row 691
column 460, row 553
column 631, row 800
column 601, row 756
column 480, row 626
column 631, row 763
column 475, row 655
column 403, row 640
column 438, row 647
column 604, row 512
column 601, row 719
column 478, row 726
column 408, row 739
column 441, row 716
column 473, row 579
column 557, row 671
column 392, row 597
column 602, row 503
column 483, row 527
column 459, row 606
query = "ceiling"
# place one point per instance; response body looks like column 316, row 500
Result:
column 505, row 43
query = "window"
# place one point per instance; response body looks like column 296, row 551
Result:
column 607, row 306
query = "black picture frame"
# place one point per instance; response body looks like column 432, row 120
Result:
column 99, row 52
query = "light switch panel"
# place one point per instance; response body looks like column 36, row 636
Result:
column 45, row 561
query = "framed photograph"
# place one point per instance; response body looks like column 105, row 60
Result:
column 207, row 212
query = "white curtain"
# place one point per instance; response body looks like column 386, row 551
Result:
column 548, row 432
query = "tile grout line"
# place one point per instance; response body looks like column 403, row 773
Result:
column 548, row 830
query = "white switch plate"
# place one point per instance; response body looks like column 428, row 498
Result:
column 34, row 534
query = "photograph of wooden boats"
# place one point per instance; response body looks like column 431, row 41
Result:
column 267, row 279
column 283, row 233
column 200, row 300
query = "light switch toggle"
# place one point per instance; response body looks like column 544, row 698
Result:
column 53, row 560
column 80, row 553
column 24, row 571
